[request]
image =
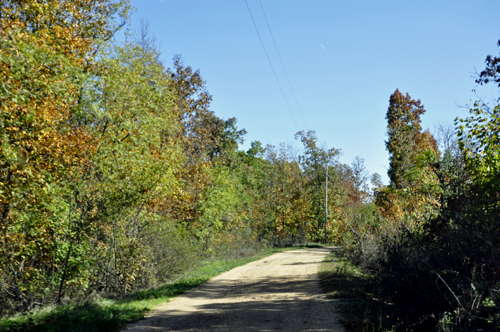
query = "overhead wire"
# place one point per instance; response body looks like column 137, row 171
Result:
column 272, row 68
column 282, row 64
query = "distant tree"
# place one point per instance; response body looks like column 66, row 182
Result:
column 405, row 137
column 147, row 41
column 376, row 181
column 199, row 123
column 412, row 152
column 256, row 149
column 446, row 138
column 227, row 137
column 314, row 162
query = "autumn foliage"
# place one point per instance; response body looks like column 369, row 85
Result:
column 46, row 52
column 434, row 246
column 115, row 174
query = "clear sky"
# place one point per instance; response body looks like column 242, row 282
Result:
column 343, row 59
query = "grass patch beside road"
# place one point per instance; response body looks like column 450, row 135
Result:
column 111, row 315
column 356, row 295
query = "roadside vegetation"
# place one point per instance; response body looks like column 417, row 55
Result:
column 97, row 314
column 116, row 177
column 431, row 244
column 355, row 293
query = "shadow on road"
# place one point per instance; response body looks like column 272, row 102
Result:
column 288, row 298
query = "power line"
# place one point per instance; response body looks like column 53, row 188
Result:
column 282, row 64
column 272, row 68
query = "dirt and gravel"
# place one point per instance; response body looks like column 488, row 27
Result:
column 279, row 292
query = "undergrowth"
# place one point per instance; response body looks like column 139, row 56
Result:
column 108, row 314
column 356, row 294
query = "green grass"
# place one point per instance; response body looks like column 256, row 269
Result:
column 355, row 291
column 112, row 315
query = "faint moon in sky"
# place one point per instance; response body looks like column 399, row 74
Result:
column 322, row 46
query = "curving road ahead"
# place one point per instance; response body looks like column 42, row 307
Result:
column 277, row 293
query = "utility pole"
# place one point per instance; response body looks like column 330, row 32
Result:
column 326, row 197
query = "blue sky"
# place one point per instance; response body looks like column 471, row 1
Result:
column 343, row 58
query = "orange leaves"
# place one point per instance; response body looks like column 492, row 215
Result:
column 49, row 44
column 413, row 193
column 46, row 54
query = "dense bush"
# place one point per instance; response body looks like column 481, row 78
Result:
column 439, row 266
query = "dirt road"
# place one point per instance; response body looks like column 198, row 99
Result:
column 279, row 292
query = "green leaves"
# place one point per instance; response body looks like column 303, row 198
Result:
column 414, row 192
column 479, row 140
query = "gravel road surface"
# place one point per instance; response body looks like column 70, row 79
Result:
column 277, row 293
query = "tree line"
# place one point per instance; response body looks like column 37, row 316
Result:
column 116, row 175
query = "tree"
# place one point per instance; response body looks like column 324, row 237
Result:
column 133, row 119
column 405, row 137
column 412, row 158
column 147, row 41
column 492, row 70
column 479, row 140
column 48, row 50
column 447, row 140
column 284, row 196
column 355, row 178
column 198, row 136
column 313, row 163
